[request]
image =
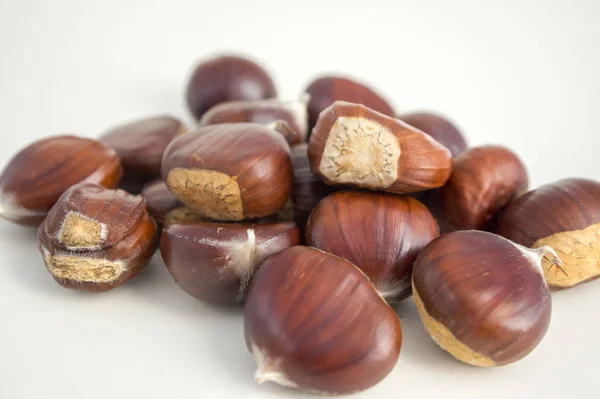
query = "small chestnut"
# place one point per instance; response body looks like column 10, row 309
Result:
column 214, row 262
column 564, row 215
column 353, row 145
column 482, row 297
column 438, row 127
column 314, row 322
column 95, row 239
column 40, row 173
column 230, row 171
column 380, row 233
column 227, row 78
column 159, row 200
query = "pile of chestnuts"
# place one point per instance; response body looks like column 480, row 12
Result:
column 314, row 215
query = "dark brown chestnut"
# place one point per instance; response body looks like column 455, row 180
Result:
column 380, row 233
column 314, row 322
column 159, row 200
column 214, row 262
column 564, row 215
column 325, row 90
column 227, row 78
column 230, row 171
column 482, row 297
column 353, row 145
column 438, row 127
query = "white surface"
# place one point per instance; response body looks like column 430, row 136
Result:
column 520, row 73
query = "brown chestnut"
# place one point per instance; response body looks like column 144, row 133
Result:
column 230, row 171
column 380, row 233
column 95, row 239
column 438, row 127
column 482, row 297
column 40, row 173
column 227, row 78
column 325, row 90
column 353, row 145
column 564, row 215
column 214, row 262
column 314, row 322
column 159, row 200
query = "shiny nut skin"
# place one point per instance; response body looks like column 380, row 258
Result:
column 380, row 233
column 159, row 200
column 227, row 78
column 566, row 216
column 230, row 171
column 481, row 297
column 39, row 174
column 352, row 145
column 95, row 239
column 438, row 127
column 214, row 262
column 325, row 90
column 314, row 322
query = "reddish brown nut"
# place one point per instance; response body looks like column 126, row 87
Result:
column 382, row 234
column 214, row 262
column 140, row 145
column 231, row 171
column 564, row 215
column 268, row 112
column 227, row 78
column 483, row 298
column 353, row 145
column 314, row 322
column 484, row 180
column 95, row 239
column 326, row 90
column 159, row 200
column 438, row 127
column 37, row 175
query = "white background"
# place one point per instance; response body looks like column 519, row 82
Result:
column 521, row 73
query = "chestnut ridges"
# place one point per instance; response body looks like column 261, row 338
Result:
column 314, row 322
column 352, row 145
column 482, row 297
column 214, row 262
column 380, row 233
column 230, row 171
column 94, row 239
column 159, row 200
column 40, row 173
column 564, row 215
column 438, row 127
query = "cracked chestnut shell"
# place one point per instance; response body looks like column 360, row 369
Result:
column 39, row 174
column 352, row 145
column 227, row 78
column 314, row 322
column 564, row 215
column 482, row 297
column 95, row 239
column 230, row 171
column 159, row 200
column 382, row 234
column 438, row 127
column 214, row 262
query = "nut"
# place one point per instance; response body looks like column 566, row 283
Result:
column 438, row 127
column 159, row 200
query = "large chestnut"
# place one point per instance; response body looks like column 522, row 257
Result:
column 314, row 322
column 227, row 78
column 380, row 233
column 353, row 145
column 438, row 127
column 564, row 215
column 482, row 297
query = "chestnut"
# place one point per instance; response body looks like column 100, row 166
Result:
column 270, row 111
column 380, row 233
column 95, row 239
column 159, row 200
column 353, row 145
column 564, row 215
column 40, row 173
column 314, row 322
column 214, row 262
column 326, row 90
column 483, row 298
column 227, row 78
column 230, row 171
column 438, row 127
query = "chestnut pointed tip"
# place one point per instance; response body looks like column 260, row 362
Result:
column 268, row 370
